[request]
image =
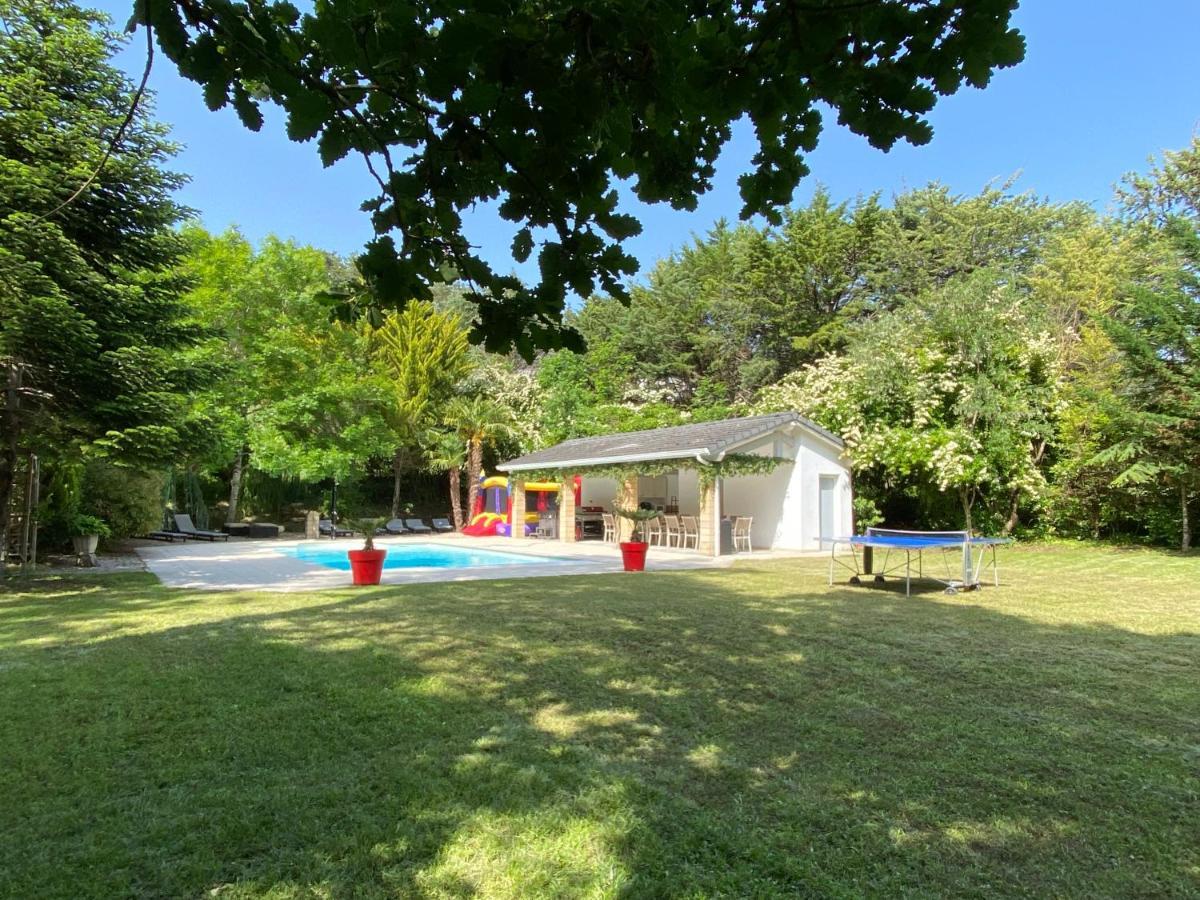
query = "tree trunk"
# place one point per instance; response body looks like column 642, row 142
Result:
column 456, row 498
column 8, row 464
column 964, row 495
column 397, row 470
column 1014, row 518
column 1185, row 541
column 474, row 468
column 1014, row 503
column 235, row 486
column 8, row 467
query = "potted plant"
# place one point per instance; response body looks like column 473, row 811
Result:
column 633, row 551
column 366, row 565
column 86, row 532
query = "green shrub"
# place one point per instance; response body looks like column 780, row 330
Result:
column 129, row 500
column 61, row 490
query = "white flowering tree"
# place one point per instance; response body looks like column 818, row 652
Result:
column 954, row 391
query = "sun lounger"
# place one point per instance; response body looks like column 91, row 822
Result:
column 441, row 525
column 416, row 526
column 325, row 527
column 169, row 536
column 393, row 526
column 183, row 524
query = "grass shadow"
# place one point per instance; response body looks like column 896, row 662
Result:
column 750, row 733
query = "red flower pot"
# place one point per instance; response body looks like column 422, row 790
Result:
column 366, row 566
column 633, row 554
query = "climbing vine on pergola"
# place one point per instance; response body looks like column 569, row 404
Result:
column 731, row 466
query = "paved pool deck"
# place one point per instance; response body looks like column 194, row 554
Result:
column 267, row 565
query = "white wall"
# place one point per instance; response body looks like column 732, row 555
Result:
column 765, row 498
column 786, row 503
column 688, row 483
column 654, row 490
column 598, row 492
column 817, row 457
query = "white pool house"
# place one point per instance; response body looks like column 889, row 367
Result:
column 702, row 470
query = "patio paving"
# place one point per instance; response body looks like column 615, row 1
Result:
column 266, row 565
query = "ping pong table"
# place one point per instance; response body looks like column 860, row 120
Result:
column 957, row 550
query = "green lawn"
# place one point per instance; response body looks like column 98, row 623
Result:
column 740, row 733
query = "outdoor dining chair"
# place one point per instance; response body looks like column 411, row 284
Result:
column 672, row 532
column 610, row 527
column 741, row 533
column 690, row 532
column 655, row 531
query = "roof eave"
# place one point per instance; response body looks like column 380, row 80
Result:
column 586, row 462
column 794, row 422
column 757, row 435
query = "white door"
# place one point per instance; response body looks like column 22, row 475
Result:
column 828, row 507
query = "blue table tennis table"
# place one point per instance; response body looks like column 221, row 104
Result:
column 957, row 551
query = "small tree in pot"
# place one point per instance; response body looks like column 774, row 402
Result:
column 633, row 551
column 366, row 565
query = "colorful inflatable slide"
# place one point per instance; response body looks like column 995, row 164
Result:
column 493, row 510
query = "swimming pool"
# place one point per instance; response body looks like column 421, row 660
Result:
column 420, row 556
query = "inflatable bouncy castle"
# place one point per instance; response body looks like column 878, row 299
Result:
column 493, row 510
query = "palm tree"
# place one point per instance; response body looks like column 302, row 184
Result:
column 477, row 419
column 421, row 353
column 445, row 452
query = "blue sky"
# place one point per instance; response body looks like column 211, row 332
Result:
column 1104, row 85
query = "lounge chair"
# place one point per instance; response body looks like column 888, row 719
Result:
column 416, row 526
column 169, row 536
column 325, row 527
column 441, row 525
column 183, row 524
column 393, row 526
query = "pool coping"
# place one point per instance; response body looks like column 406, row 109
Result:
column 266, row 565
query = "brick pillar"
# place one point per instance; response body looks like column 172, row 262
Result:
column 566, row 510
column 627, row 498
column 710, row 519
column 516, row 526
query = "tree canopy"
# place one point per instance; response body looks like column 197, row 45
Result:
column 547, row 109
column 262, row 304
column 994, row 360
column 91, row 320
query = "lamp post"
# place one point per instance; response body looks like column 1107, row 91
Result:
column 333, row 510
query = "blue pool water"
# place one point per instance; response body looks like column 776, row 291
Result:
column 418, row 556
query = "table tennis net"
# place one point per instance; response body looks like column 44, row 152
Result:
column 929, row 535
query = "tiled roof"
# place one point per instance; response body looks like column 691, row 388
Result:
column 709, row 440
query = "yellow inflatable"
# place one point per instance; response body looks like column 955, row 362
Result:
column 492, row 522
column 501, row 481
